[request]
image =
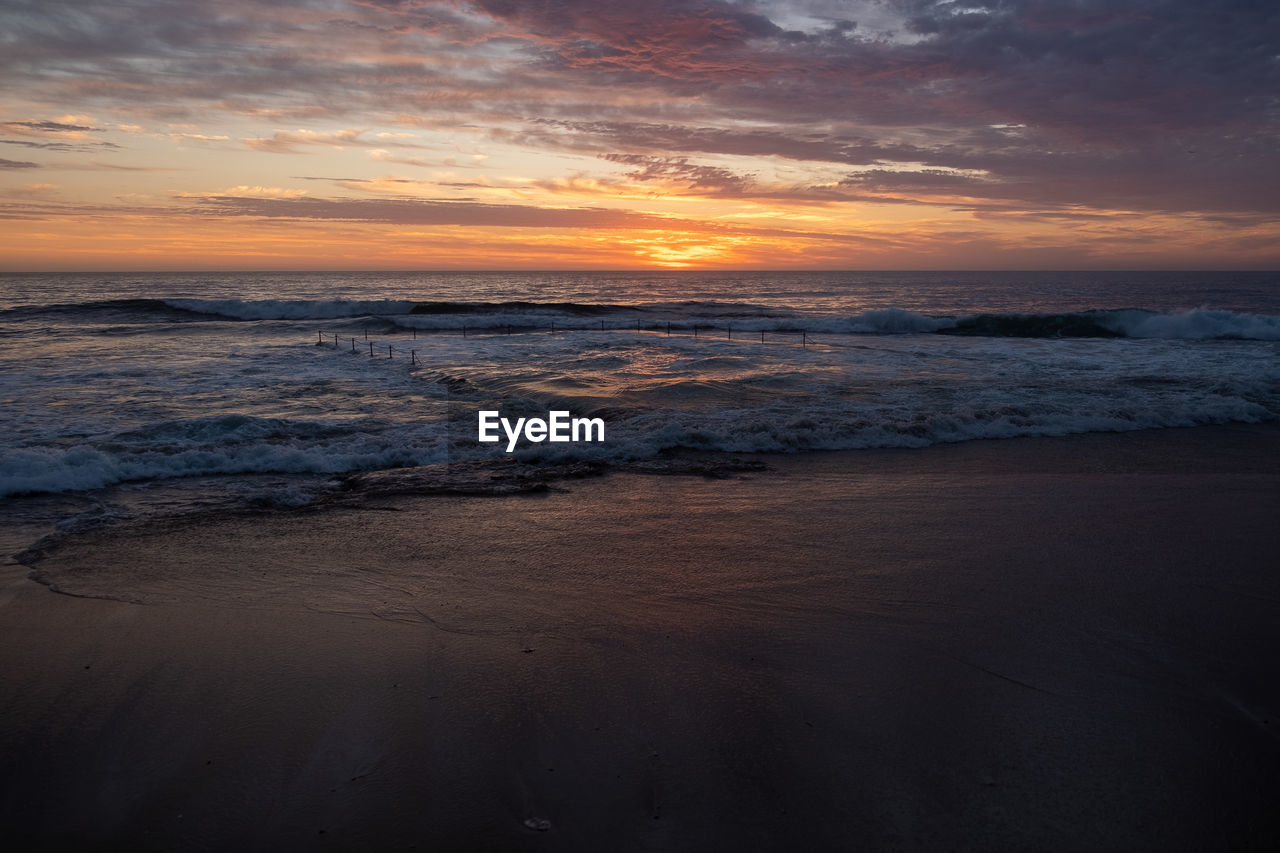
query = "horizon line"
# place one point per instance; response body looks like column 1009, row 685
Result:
column 631, row 270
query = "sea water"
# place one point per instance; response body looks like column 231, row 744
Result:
column 127, row 393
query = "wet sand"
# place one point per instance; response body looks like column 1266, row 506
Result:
column 1061, row 644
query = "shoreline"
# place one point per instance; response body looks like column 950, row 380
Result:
column 1035, row 643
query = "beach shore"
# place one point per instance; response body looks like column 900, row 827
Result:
column 1031, row 644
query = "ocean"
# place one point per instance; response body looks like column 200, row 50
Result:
column 130, row 394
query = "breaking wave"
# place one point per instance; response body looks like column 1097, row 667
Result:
column 1194, row 324
column 1198, row 324
column 291, row 309
column 227, row 444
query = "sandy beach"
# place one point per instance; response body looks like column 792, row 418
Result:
column 1033, row 644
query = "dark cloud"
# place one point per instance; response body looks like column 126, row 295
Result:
column 94, row 145
column 680, row 39
column 680, row 172
column 54, row 136
column 17, row 164
column 441, row 212
column 49, row 127
column 428, row 212
column 1168, row 105
column 120, row 167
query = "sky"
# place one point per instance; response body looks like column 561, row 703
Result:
column 631, row 134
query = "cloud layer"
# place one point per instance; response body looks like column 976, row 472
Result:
column 1056, row 111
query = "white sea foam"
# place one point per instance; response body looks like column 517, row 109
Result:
column 223, row 445
column 1194, row 325
column 896, row 321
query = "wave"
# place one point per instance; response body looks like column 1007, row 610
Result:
column 1198, row 324
column 333, row 309
column 895, row 321
column 689, row 317
column 701, row 412
column 292, row 309
column 639, row 438
column 574, row 309
column 651, row 435
column 684, row 317
column 183, row 309
column 226, row 444
column 674, row 317
column 155, row 310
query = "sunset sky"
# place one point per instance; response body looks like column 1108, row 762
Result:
column 607, row 134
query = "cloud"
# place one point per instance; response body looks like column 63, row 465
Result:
column 290, row 142
column 17, row 164
column 444, row 212
column 467, row 213
column 60, row 146
column 121, row 167
column 294, row 141
column 679, row 172
column 262, row 192
column 382, row 155
column 50, row 135
column 427, row 212
column 1165, row 174
column 1163, row 105
column 676, row 39
column 199, row 138
column 32, row 191
column 1156, row 105
column 57, row 128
